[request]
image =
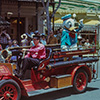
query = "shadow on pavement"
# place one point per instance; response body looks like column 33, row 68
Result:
column 57, row 94
column 91, row 89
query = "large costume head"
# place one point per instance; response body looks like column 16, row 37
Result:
column 69, row 33
column 68, row 22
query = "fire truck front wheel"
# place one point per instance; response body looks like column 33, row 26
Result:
column 9, row 90
column 80, row 81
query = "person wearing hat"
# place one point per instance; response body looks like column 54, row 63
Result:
column 35, row 33
column 24, row 41
column 69, row 33
column 4, row 38
column 10, row 44
column 34, row 56
column 51, row 39
column 43, row 39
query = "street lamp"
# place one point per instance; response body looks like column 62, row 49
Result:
column 98, row 23
column 98, row 27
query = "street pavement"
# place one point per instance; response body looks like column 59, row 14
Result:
column 92, row 92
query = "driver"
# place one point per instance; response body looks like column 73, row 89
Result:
column 32, row 59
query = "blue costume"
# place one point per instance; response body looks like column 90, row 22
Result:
column 69, row 40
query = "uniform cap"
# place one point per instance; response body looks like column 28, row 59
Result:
column 36, row 36
column 66, row 17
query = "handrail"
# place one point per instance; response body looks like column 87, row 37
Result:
column 72, row 53
column 84, row 48
column 26, row 47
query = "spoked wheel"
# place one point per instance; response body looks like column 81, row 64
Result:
column 80, row 81
column 9, row 90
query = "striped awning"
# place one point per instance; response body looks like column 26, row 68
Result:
column 92, row 22
column 79, row 6
column 59, row 21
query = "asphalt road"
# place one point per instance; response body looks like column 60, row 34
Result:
column 92, row 92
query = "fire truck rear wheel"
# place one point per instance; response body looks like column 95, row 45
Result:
column 9, row 90
column 80, row 81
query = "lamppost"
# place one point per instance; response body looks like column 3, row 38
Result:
column 37, row 14
column 18, row 23
column 98, row 28
column 0, row 6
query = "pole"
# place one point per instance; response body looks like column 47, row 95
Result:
column 36, row 15
column 0, row 6
column 53, row 16
column 18, row 23
column 95, row 39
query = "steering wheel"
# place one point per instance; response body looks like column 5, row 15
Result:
column 6, row 54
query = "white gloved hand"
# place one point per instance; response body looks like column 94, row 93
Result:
column 24, row 49
column 81, row 22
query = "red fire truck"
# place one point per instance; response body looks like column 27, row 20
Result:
column 54, row 73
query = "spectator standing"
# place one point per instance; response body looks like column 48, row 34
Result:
column 4, row 37
column 80, row 46
column 24, row 41
column 87, row 44
column 59, row 34
column 15, row 44
column 51, row 39
column 43, row 39
column 9, row 44
column 35, row 33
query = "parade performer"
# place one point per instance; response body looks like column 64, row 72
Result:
column 69, row 33
column 35, row 54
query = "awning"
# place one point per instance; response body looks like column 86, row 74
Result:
column 92, row 22
column 78, row 6
column 59, row 21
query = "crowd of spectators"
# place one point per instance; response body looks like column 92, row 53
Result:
column 26, row 39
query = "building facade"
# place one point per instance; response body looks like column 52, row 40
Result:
column 24, row 16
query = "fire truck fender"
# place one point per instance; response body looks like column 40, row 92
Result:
column 83, row 67
column 5, row 74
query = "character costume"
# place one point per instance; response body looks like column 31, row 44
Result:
column 69, row 33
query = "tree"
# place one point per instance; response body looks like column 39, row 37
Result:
column 48, row 16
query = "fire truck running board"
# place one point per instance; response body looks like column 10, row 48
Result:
column 43, row 91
